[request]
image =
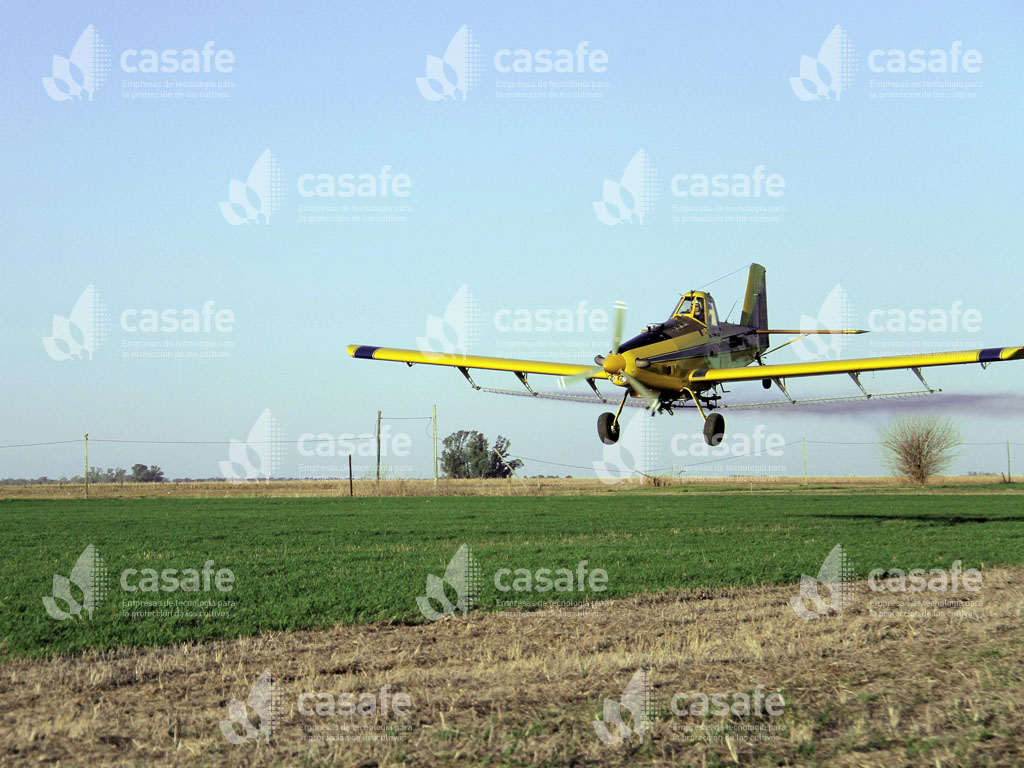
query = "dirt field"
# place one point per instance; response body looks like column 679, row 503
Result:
column 938, row 688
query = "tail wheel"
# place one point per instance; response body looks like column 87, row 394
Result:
column 714, row 429
column 608, row 428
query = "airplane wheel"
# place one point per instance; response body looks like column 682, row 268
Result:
column 608, row 428
column 714, row 429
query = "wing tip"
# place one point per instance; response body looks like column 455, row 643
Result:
column 361, row 351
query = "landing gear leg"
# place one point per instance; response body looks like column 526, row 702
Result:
column 714, row 423
column 608, row 424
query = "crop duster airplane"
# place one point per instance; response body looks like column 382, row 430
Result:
column 688, row 359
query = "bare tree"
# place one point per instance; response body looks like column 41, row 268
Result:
column 920, row 447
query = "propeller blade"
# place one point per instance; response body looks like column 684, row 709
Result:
column 576, row 378
column 649, row 397
column 619, row 324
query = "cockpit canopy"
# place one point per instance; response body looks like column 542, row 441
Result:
column 699, row 306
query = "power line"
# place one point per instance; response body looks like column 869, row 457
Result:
column 33, row 445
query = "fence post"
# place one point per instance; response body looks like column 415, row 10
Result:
column 85, row 477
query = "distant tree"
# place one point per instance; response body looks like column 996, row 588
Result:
column 460, row 454
column 499, row 467
column 466, row 453
column 453, row 455
column 920, row 447
column 478, row 454
column 143, row 474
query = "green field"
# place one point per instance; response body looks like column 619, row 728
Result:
column 311, row 563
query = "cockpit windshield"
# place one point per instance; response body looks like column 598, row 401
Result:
column 684, row 306
column 700, row 307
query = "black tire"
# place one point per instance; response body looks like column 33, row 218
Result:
column 608, row 428
column 714, row 429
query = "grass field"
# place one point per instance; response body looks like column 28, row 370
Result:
column 313, row 563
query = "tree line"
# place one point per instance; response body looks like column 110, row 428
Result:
column 467, row 454
column 140, row 473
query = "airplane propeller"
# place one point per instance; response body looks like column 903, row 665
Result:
column 614, row 363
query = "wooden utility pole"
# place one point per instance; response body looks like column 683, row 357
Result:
column 435, row 445
column 86, row 475
column 804, row 441
column 1009, row 470
column 351, row 492
column 378, row 451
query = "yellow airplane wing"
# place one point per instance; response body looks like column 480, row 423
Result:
column 412, row 356
column 789, row 370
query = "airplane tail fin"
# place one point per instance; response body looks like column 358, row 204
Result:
column 755, row 304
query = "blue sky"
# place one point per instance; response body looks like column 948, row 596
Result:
column 906, row 203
